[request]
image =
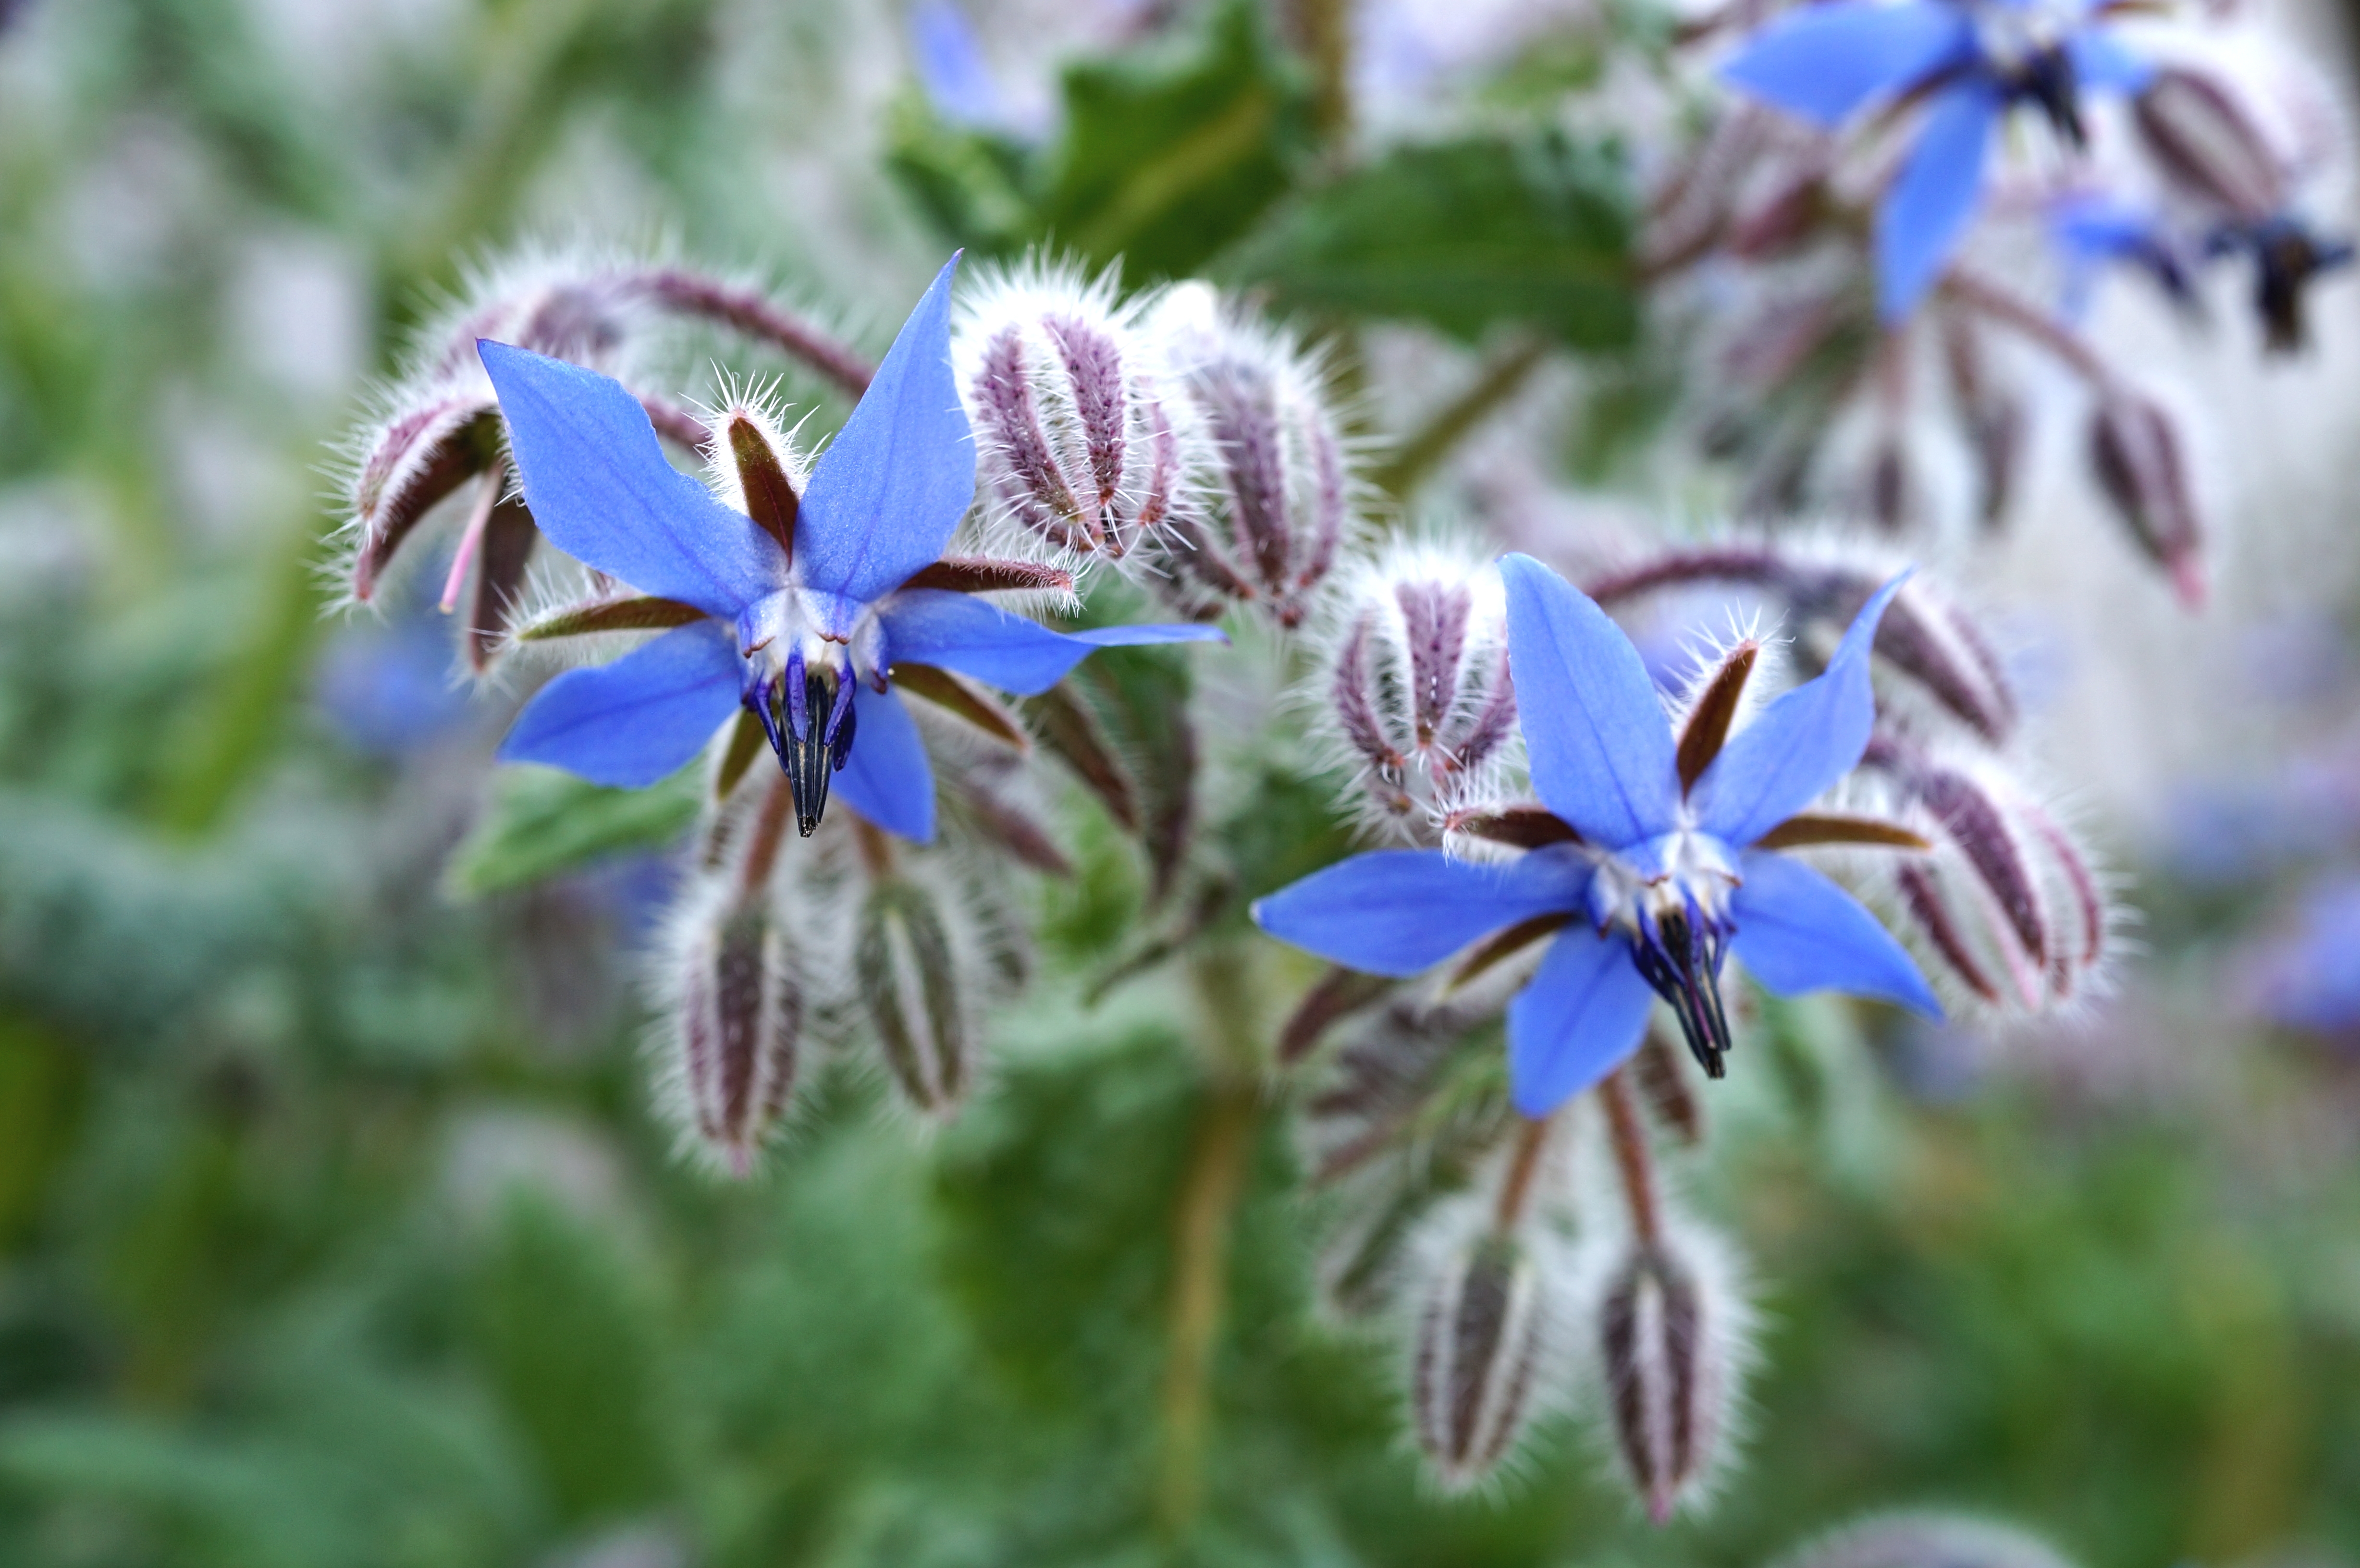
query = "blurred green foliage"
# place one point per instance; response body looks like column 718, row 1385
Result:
column 334, row 1227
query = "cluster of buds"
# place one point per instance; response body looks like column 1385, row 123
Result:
column 1418, row 698
column 853, row 949
column 1082, row 438
column 439, row 432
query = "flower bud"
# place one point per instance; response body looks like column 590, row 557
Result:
column 1077, row 438
column 909, row 985
column 1418, row 689
column 419, row 455
column 1924, row 1541
column 1405, row 1075
column 2208, row 145
column 2139, row 458
column 1480, row 1344
column 1669, row 1325
column 1266, row 527
column 740, row 1023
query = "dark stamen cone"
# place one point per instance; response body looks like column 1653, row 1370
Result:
column 909, row 985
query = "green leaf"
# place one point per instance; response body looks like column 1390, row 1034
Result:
column 542, row 822
column 971, row 184
column 1464, row 235
column 1173, row 150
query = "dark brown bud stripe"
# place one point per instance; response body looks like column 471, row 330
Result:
column 1030, row 479
column 1808, row 828
column 770, row 498
column 501, row 559
column 421, row 461
column 1524, row 827
column 1068, row 730
column 1478, row 1356
column 955, row 695
column 632, row 615
column 909, row 985
column 1504, row 945
column 1662, row 1388
column 1716, row 707
column 2207, row 143
column 988, row 575
column 742, row 1020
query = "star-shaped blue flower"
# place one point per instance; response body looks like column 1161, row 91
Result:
column 1972, row 59
column 803, row 626
column 1658, row 871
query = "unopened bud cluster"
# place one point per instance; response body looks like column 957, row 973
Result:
column 1418, row 689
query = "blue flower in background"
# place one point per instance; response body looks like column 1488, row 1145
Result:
column 951, row 67
column 805, row 636
column 1659, row 873
column 1825, row 64
column 2310, row 979
column 2092, row 231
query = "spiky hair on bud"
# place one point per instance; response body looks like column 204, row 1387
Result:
column 1082, row 439
column 1488, row 1315
column 1669, row 1338
column 1917, row 1540
column 730, row 982
column 1412, row 691
column 2013, row 912
column 1281, row 497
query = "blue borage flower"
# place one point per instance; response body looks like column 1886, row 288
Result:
column 1971, row 61
column 1658, row 857
column 800, row 618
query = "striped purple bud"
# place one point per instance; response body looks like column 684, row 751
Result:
column 1478, row 1353
column 1266, row 527
column 1077, row 440
column 2141, row 463
column 410, row 464
column 741, row 1026
column 1667, row 1326
column 910, row 983
column 1417, row 688
column 2208, row 144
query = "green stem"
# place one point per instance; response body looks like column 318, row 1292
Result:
column 1501, row 377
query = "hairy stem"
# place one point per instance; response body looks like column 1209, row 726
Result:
column 770, row 829
column 1501, row 376
column 1632, row 1157
column 1994, row 304
column 1524, row 1165
column 747, row 311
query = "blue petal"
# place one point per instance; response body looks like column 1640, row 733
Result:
column 887, row 779
column 2101, row 61
column 897, row 477
column 633, row 722
column 1797, row 931
column 1396, row 911
column 974, row 637
column 1927, row 209
column 1800, row 745
column 1598, row 741
column 1583, row 1014
column 599, row 488
column 1824, row 61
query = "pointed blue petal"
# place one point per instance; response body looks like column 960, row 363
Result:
column 1599, row 747
column 1396, row 911
column 974, row 637
column 1800, row 745
column 2101, row 61
column 1822, row 62
column 1925, row 214
column 889, row 490
column 1797, row 931
column 601, row 491
column 633, row 722
column 887, row 779
column 1583, row 1014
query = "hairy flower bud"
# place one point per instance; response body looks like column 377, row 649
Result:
column 417, row 457
column 2011, row 905
column 1417, row 687
column 1078, row 438
column 1924, row 1541
column 1669, row 1323
column 910, row 983
column 1267, row 525
column 2207, row 143
column 1481, row 1342
column 740, row 1014
column 2141, row 464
